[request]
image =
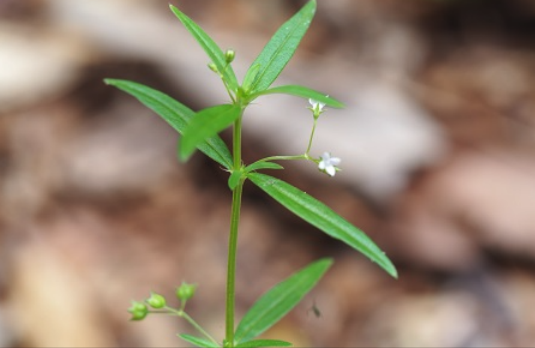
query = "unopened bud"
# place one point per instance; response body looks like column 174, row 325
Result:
column 138, row 310
column 185, row 291
column 156, row 301
column 229, row 56
column 213, row 67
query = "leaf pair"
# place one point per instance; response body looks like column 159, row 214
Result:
column 262, row 73
column 269, row 63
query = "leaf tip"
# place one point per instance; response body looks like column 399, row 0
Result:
column 340, row 105
column 325, row 263
column 394, row 272
column 389, row 267
column 175, row 10
column 186, row 148
column 184, row 155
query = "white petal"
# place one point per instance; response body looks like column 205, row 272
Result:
column 322, row 165
column 313, row 103
column 330, row 170
column 335, row 161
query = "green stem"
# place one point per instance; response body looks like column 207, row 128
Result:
column 231, row 271
column 228, row 90
column 284, row 158
column 311, row 136
column 305, row 156
column 225, row 83
column 180, row 313
column 198, row 327
column 236, row 142
column 233, row 237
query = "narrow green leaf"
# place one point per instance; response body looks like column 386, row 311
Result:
column 206, row 124
column 198, row 342
column 210, row 47
column 234, row 179
column 250, row 77
column 303, row 92
column 176, row 114
column 263, row 165
column 279, row 300
column 279, row 50
column 264, row 343
column 319, row 215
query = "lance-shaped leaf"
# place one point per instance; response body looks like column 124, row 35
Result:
column 303, row 92
column 176, row 114
column 210, row 47
column 206, row 124
column 319, row 215
column 263, row 343
column 250, row 77
column 279, row 50
column 279, row 300
column 197, row 341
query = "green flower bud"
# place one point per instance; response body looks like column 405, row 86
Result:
column 156, row 301
column 185, row 291
column 138, row 310
column 213, row 67
column 229, row 56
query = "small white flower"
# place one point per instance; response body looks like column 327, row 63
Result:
column 328, row 164
column 316, row 104
column 317, row 107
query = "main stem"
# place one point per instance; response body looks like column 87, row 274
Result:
column 233, row 237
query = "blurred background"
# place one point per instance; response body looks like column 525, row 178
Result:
column 437, row 145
